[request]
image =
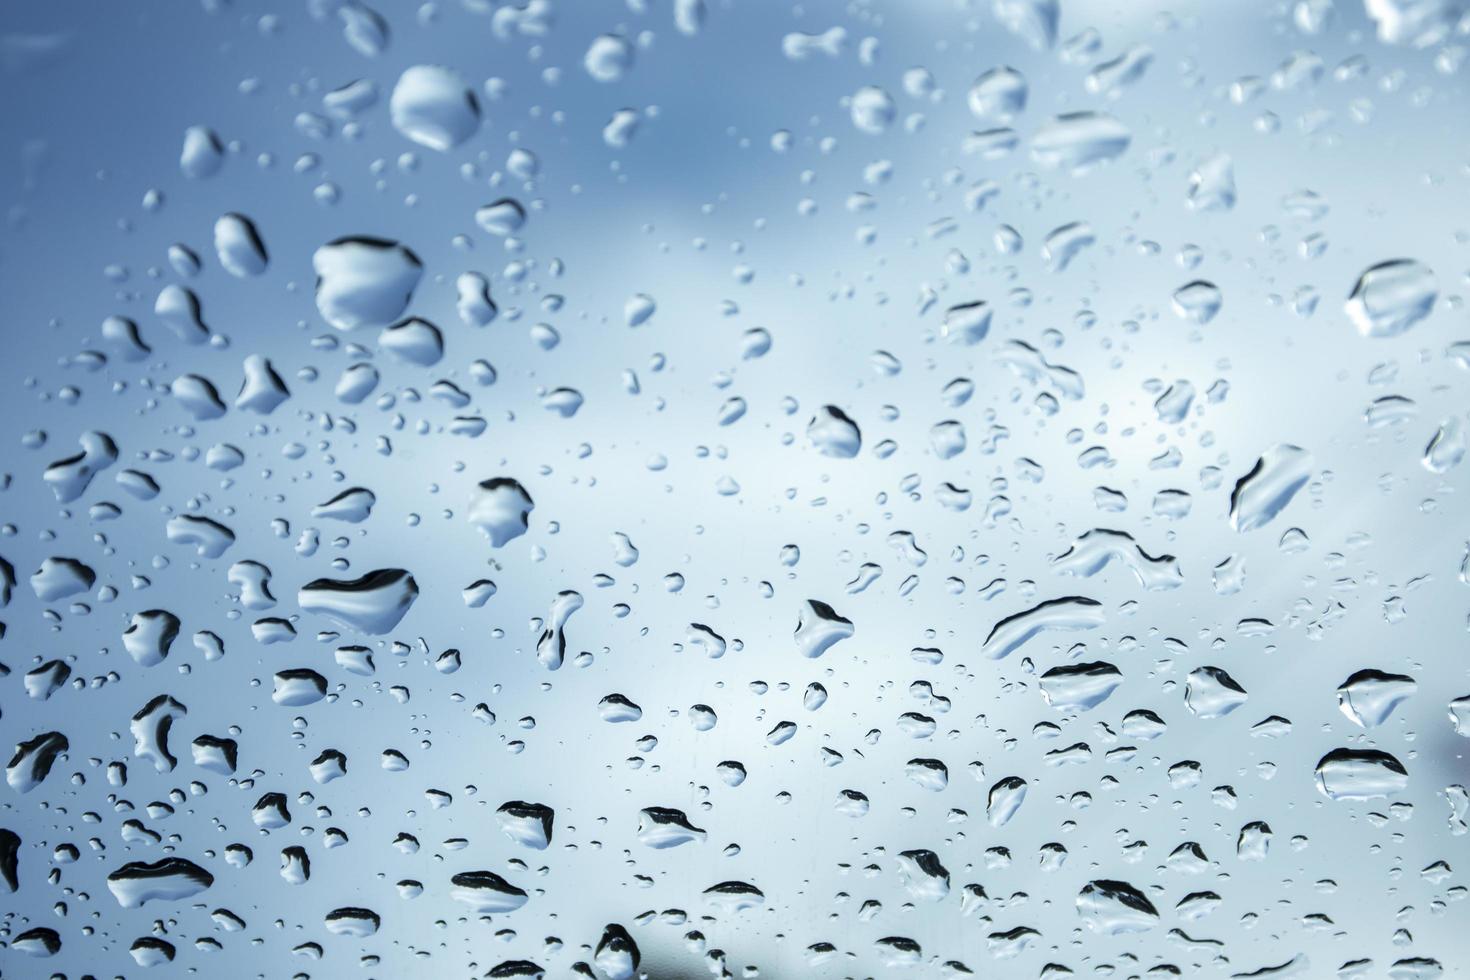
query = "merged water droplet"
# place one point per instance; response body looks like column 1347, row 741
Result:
column 819, row 627
column 1360, row 774
column 1115, row 908
column 1069, row 614
column 374, row 603
column 1270, row 485
column 1369, row 696
column 1080, row 141
column 364, row 281
column 171, row 879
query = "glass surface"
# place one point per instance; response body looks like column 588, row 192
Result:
column 671, row 488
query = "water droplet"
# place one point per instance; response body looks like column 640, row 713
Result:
column 364, row 281
column 609, row 57
column 373, row 603
column 432, row 106
column 1080, row 141
column 1360, row 774
column 1269, row 486
column 1391, row 297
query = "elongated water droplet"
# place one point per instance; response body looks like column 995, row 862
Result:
column 373, row 603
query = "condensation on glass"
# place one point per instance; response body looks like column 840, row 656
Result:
column 669, row 488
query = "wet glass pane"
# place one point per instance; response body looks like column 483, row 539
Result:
column 737, row 488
